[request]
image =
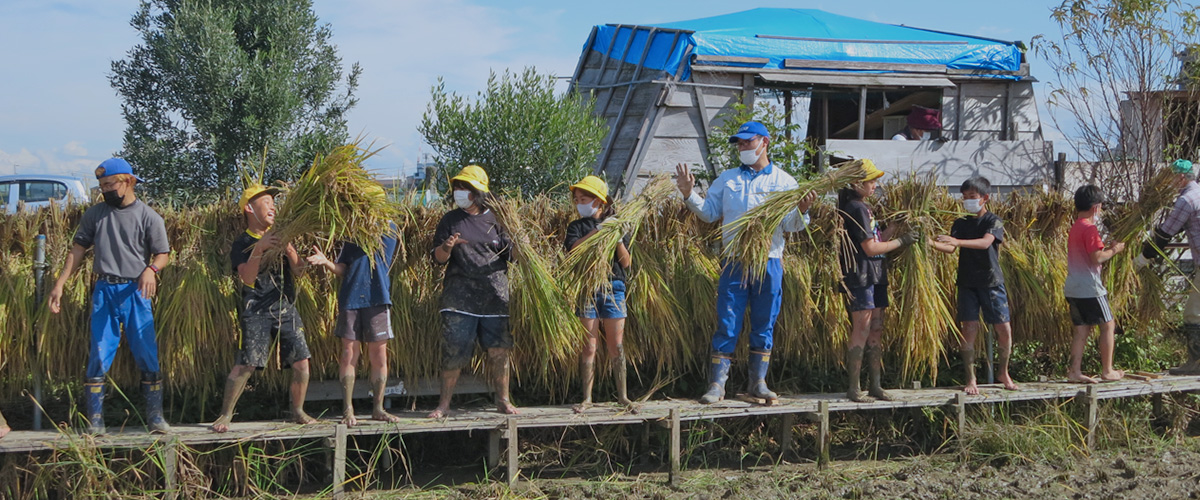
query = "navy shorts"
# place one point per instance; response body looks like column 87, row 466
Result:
column 1089, row 311
column 867, row 298
column 606, row 304
column 992, row 301
column 461, row 331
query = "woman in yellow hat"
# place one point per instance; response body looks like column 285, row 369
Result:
column 864, row 280
column 476, row 251
column 607, row 307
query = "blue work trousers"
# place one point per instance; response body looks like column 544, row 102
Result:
column 117, row 305
column 762, row 294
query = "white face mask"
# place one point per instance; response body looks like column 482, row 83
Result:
column 973, row 206
column 585, row 209
column 749, row 156
column 462, row 198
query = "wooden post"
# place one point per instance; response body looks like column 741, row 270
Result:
column 960, row 410
column 786, row 422
column 339, row 461
column 675, row 445
column 1093, row 414
column 1156, row 406
column 513, row 455
column 171, row 470
column 493, row 453
column 862, row 113
column 823, row 436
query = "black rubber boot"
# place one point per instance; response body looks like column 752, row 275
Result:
column 94, row 398
column 152, row 388
column 757, row 384
column 718, row 374
column 1192, row 367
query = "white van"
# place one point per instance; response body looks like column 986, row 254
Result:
column 32, row 191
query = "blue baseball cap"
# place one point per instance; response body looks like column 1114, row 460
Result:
column 114, row 166
column 748, row 130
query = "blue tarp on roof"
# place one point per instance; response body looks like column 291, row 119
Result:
column 778, row 34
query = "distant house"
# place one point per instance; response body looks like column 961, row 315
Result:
column 662, row 88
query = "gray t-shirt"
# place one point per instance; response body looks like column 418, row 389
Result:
column 125, row 238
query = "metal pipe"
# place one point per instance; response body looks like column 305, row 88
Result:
column 39, row 279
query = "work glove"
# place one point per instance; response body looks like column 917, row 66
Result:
column 909, row 238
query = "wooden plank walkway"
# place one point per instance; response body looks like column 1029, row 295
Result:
column 670, row 413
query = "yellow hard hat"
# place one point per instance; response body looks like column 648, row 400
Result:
column 475, row 176
column 872, row 172
column 254, row 190
column 594, row 185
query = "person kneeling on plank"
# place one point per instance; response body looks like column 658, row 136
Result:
column 733, row 193
column 364, row 315
column 1184, row 215
column 865, row 282
column 129, row 240
column 267, row 309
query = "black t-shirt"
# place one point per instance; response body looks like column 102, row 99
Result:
column 581, row 227
column 273, row 288
column 979, row 268
column 476, row 279
column 858, row 269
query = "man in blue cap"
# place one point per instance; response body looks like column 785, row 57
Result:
column 733, row 193
column 1185, row 215
column 129, row 241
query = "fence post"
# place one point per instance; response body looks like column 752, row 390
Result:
column 39, row 279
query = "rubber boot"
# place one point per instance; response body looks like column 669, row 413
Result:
column 854, row 361
column 757, row 384
column 1192, row 367
column 874, row 357
column 718, row 374
column 152, row 388
column 93, row 391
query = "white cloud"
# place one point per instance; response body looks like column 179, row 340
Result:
column 75, row 148
column 55, row 162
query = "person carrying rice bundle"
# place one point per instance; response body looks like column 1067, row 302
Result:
column 865, row 282
column 1184, row 215
column 267, row 307
column 1084, row 287
column 476, row 251
column 980, row 279
column 129, row 240
column 606, row 305
column 364, row 314
column 733, row 193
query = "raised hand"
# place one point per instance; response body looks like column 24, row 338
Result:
column 684, row 179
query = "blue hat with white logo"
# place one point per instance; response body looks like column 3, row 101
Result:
column 748, row 130
column 114, row 166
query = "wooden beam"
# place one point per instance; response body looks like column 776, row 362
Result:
column 960, row 412
column 675, row 444
column 339, row 461
column 823, row 435
column 705, row 133
column 786, row 423
column 1092, row 401
column 876, row 117
column 701, row 58
column 864, row 66
column 862, row 113
column 587, row 49
column 493, row 453
column 637, row 71
column 171, row 470
column 514, row 469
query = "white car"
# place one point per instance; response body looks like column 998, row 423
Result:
column 32, row 191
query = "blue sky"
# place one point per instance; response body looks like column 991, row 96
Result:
column 58, row 113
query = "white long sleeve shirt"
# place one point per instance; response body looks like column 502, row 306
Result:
column 739, row 189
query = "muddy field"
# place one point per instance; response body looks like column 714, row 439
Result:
column 1172, row 473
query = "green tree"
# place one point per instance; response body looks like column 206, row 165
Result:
column 216, row 82
column 528, row 138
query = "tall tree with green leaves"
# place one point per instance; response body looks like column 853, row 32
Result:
column 215, row 83
column 529, row 138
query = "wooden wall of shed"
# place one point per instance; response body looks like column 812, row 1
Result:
column 978, row 110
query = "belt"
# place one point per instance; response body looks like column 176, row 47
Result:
column 115, row 280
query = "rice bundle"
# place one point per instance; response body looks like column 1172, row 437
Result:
column 541, row 316
column 337, row 200
column 750, row 244
column 588, row 266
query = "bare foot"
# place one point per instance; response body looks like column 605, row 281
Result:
column 881, row 394
column 1112, row 376
column 506, row 408
column 971, row 389
column 1080, row 378
column 302, row 418
column 439, row 413
column 384, row 416
column 221, row 425
column 582, row 407
column 4, row 431
column 349, row 420
column 624, row 402
column 860, row 397
column 1009, row 385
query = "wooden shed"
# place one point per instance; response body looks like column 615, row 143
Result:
column 663, row 88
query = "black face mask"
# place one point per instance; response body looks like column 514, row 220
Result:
column 113, row 199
